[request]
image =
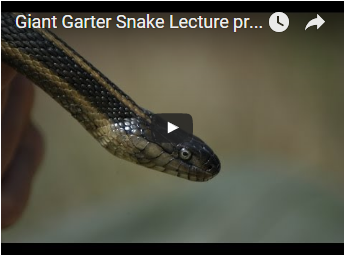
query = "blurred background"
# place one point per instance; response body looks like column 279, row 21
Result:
column 269, row 104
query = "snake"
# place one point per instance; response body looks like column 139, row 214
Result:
column 116, row 121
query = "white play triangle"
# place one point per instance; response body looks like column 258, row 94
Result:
column 172, row 127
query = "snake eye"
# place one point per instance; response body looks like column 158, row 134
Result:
column 185, row 154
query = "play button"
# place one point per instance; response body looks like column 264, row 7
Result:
column 175, row 128
column 172, row 127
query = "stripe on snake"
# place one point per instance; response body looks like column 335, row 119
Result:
column 73, row 67
column 70, row 98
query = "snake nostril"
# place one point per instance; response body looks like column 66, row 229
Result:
column 209, row 167
column 212, row 168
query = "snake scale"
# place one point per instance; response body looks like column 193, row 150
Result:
column 102, row 108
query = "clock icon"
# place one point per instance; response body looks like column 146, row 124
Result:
column 279, row 22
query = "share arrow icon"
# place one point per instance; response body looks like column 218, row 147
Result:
column 172, row 127
column 318, row 21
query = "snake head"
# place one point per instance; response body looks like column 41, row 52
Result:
column 197, row 161
column 192, row 159
column 132, row 139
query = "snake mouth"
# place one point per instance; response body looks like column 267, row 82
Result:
column 199, row 174
column 194, row 172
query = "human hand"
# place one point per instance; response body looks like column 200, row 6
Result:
column 21, row 146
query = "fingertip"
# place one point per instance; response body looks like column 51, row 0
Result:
column 23, row 86
column 7, row 75
column 36, row 144
column 15, row 118
column 16, row 185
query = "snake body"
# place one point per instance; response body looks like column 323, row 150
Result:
column 102, row 108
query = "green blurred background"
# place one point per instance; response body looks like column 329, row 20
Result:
column 269, row 104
